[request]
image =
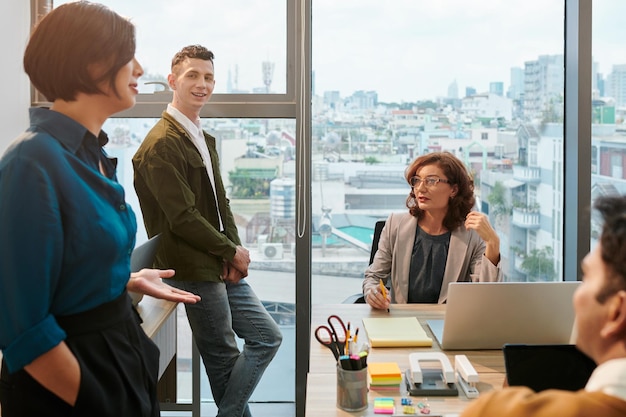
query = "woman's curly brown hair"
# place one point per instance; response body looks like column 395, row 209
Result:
column 462, row 203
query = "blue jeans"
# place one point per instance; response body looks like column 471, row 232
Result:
column 227, row 310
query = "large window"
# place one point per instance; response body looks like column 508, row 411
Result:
column 248, row 38
column 393, row 83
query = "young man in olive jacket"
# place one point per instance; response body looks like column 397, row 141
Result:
column 181, row 194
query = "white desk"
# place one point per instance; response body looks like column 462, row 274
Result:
column 321, row 379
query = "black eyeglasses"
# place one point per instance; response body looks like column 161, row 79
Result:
column 428, row 181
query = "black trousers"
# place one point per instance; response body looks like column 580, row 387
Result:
column 118, row 362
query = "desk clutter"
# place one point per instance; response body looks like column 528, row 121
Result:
column 488, row 374
column 357, row 378
column 352, row 369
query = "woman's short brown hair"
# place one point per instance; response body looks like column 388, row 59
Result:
column 69, row 41
column 456, row 173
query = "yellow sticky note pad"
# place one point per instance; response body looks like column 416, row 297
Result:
column 384, row 375
column 396, row 332
column 384, row 369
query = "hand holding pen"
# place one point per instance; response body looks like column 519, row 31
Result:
column 378, row 297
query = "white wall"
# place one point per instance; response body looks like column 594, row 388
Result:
column 14, row 84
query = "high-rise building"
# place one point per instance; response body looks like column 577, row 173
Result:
column 332, row 99
column 601, row 85
column 497, row 88
column 363, row 100
column 544, row 81
column 516, row 87
column 453, row 90
column 616, row 85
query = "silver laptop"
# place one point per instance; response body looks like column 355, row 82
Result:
column 486, row 315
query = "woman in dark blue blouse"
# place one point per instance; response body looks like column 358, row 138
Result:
column 71, row 341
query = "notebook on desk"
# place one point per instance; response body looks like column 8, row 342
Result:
column 486, row 315
column 395, row 332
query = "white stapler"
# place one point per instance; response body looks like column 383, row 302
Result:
column 430, row 382
column 466, row 375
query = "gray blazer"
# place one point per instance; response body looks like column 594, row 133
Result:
column 393, row 259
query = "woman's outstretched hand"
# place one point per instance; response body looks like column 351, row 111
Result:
column 150, row 282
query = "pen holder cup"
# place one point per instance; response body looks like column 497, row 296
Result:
column 351, row 389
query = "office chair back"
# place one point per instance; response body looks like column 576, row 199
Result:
column 378, row 228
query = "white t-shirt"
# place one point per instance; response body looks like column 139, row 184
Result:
column 609, row 378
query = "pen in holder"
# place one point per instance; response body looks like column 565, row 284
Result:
column 351, row 389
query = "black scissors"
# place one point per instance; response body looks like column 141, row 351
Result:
column 333, row 336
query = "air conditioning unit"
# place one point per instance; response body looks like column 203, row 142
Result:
column 261, row 240
column 272, row 251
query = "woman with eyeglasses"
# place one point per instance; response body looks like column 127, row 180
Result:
column 438, row 241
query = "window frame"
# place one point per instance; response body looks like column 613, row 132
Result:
column 221, row 105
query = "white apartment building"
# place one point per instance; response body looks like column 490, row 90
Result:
column 616, row 85
column 544, row 81
column 487, row 106
column 534, row 194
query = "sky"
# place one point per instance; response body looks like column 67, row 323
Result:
column 406, row 50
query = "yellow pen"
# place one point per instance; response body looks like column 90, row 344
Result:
column 383, row 290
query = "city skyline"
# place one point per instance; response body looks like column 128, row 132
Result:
column 411, row 51
column 484, row 31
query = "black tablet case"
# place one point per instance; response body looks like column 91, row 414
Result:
column 542, row 367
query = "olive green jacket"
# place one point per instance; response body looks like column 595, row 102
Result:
column 176, row 199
